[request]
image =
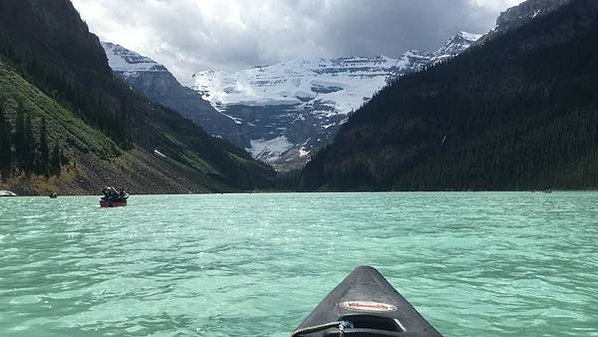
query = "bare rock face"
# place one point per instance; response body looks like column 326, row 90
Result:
column 519, row 15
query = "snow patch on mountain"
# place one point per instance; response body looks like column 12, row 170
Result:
column 268, row 150
column 341, row 84
column 290, row 109
column 128, row 62
column 456, row 46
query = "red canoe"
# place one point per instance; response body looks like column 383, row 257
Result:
column 108, row 203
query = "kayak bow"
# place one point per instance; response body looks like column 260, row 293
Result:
column 365, row 305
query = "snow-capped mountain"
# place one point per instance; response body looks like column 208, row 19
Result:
column 455, row 46
column 287, row 111
column 128, row 63
column 160, row 86
column 337, row 83
column 283, row 113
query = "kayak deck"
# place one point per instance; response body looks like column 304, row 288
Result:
column 365, row 305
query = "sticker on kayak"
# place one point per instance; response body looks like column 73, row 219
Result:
column 368, row 306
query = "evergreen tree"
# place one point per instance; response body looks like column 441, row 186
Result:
column 19, row 139
column 29, row 148
column 6, row 159
column 43, row 158
column 56, row 160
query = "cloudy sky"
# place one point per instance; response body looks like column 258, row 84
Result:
column 194, row 35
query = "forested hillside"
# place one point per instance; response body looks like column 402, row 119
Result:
column 61, row 105
column 518, row 112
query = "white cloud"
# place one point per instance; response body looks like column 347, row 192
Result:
column 495, row 5
column 193, row 35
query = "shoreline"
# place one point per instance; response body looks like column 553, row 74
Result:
column 298, row 192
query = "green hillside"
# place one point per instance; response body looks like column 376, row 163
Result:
column 55, row 73
column 90, row 158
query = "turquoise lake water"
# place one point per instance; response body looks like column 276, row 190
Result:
column 474, row 264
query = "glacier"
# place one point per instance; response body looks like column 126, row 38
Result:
column 305, row 101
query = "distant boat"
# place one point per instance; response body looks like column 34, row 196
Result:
column 53, row 195
column 113, row 198
column 7, row 194
column 365, row 304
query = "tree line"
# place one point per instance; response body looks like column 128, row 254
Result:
column 24, row 148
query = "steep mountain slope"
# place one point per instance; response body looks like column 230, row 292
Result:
column 160, row 86
column 287, row 111
column 92, row 158
column 520, row 15
column 47, row 46
column 518, row 112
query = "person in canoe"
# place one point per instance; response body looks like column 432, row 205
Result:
column 113, row 198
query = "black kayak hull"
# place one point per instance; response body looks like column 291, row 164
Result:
column 366, row 305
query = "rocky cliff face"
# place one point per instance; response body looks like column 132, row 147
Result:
column 519, row 15
column 287, row 111
column 160, row 86
column 527, row 10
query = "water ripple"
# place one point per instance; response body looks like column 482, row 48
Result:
column 475, row 264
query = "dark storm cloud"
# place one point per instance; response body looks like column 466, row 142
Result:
column 391, row 27
column 193, row 35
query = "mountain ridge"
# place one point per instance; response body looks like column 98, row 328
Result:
column 160, row 86
column 289, row 110
column 522, row 14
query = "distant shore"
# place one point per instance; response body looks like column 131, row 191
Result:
column 4, row 194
